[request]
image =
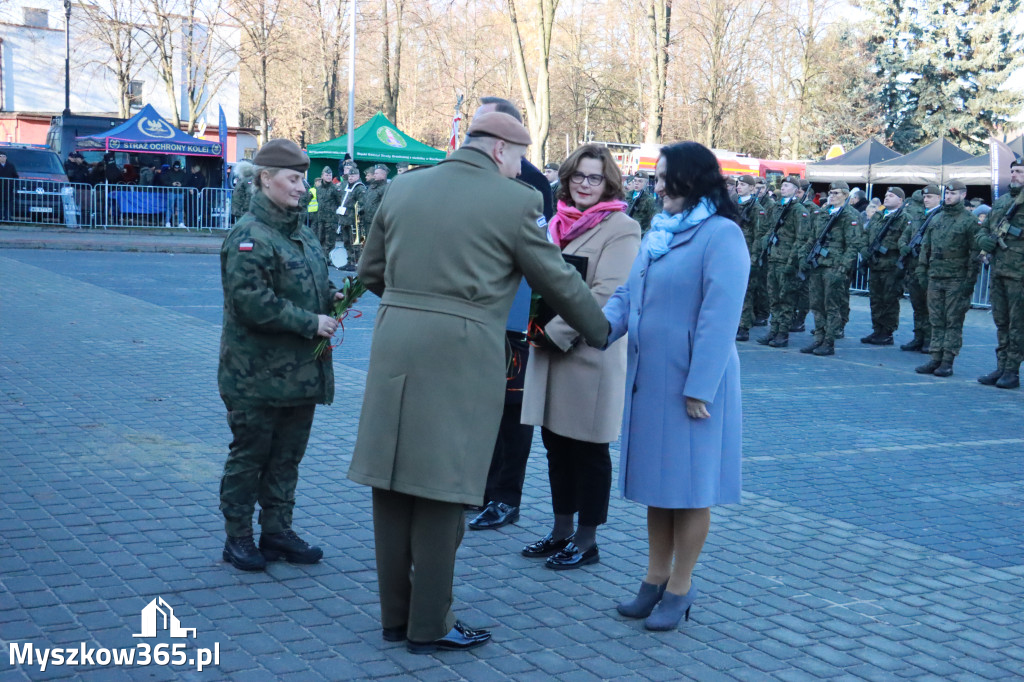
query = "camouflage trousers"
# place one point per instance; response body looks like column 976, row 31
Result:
column 917, row 287
column 327, row 233
column 948, row 302
column 885, row 289
column 348, row 239
column 263, row 466
column 801, row 301
column 762, row 302
column 845, row 313
column 781, row 289
column 747, row 317
column 828, row 289
column 1007, row 296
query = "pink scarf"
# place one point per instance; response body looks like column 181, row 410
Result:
column 569, row 222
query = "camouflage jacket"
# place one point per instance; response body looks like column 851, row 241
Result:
column 845, row 239
column 327, row 199
column 275, row 283
column 641, row 209
column 353, row 199
column 894, row 224
column 240, row 197
column 789, row 233
column 374, row 193
column 1009, row 261
column 948, row 250
column 752, row 220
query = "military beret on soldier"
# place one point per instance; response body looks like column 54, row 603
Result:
column 804, row 184
column 380, row 166
column 351, row 168
column 281, row 153
column 898, row 192
column 551, row 166
column 955, row 185
column 501, row 126
column 932, row 189
column 840, row 184
column 748, row 180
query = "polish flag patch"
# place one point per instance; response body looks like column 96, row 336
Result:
column 245, row 246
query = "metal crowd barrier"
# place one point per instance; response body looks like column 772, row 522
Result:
column 979, row 299
column 214, row 209
column 45, row 202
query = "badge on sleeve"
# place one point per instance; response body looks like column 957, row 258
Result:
column 542, row 222
column 245, row 246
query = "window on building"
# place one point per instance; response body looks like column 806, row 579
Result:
column 36, row 18
column 135, row 94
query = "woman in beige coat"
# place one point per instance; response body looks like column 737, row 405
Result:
column 573, row 391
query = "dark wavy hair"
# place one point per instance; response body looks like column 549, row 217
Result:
column 692, row 172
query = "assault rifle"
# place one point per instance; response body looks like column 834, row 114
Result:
column 876, row 249
column 819, row 249
column 915, row 242
column 773, row 238
column 1004, row 227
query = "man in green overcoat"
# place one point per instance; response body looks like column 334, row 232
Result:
column 447, row 273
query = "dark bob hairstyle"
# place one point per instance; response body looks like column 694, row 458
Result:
column 610, row 170
column 692, row 172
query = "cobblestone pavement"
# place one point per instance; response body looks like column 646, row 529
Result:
column 879, row 538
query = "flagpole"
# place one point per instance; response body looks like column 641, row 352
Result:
column 352, row 83
column 453, row 141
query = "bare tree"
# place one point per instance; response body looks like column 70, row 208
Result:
column 160, row 23
column 659, row 20
column 391, row 62
column 262, row 29
column 209, row 58
column 329, row 15
column 537, row 99
column 112, row 24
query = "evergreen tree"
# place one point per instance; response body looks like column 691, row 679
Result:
column 890, row 36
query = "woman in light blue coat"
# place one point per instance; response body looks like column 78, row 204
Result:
column 682, row 421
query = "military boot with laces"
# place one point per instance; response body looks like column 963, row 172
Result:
column 991, row 378
column 241, row 553
column 290, row 547
column 1010, row 379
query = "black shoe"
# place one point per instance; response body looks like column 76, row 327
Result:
column 870, row 338
column 991, row 378
column 945, row 369
column 290, row 547
column 572, row 557
column 393, row 634
column 460, row 638
column 743, row 335
column 826, row 348
column 546, row 547
column 813, row 345
column 913, row 345
column 495, row 515
column 242, row 554
column 883, row 340
column 928, row 367
column 797, row 327
column 766, row 339
column 781, row 340
column 1009, row 380
column 761, row 322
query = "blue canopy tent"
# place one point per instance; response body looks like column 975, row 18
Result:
column 148, row 133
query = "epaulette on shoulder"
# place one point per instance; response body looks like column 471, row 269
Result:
column 525, row 184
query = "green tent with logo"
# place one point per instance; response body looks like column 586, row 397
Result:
column 376, row 141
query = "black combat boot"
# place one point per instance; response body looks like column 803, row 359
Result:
column 781, row 340
column 241, row 552
column 813, row 345
column 767, row 338
column 825, row 348
column 743, row 334
column 929, row 367
column 883, row 340
column 945, row 368
column 290, row 547
column 870, row 338
column 914, row 345
column 1010, row 379
column 991, row 378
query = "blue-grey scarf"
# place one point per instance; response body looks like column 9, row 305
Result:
column 665, row 226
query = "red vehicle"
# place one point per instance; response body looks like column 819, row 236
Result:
column 775, row 170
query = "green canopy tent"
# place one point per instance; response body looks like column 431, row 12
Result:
column 376, row 141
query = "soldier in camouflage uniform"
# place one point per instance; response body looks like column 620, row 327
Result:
column 640, row 202
column 885, row 282
column 324, row 199
column 950, row 256
column 778, row 251
column 276, row 296
column 829, row 278
column 762, row 303
column 916, row 278
column 802, row 296
column 752, row 219
column 1006, row 288
column 242, row 191
column 352, row 217
column 375, row 192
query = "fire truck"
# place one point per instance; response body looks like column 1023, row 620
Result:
column 642, row 159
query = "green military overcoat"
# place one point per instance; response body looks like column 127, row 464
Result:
column 447, row 272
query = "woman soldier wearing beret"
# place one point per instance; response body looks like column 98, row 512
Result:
column 276, row 298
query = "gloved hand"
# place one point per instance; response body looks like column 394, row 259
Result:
column 987, row 242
